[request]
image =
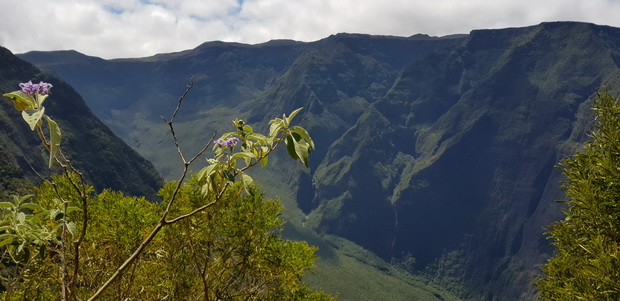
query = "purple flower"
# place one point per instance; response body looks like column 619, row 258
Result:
column 44, row 88
column 32, row 89
column 29, row 88
column 230, row 142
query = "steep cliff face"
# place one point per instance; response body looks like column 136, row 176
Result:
column 459, row 155
column 443, row 148
column 334, row 79
column 105, row 159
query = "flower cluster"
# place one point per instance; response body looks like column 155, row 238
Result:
column 230, row 142
column 31, row 89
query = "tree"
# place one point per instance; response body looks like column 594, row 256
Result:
column 586, row 262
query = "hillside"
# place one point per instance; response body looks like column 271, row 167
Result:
column 474, row 183
column 441, row 148
column 106, row 160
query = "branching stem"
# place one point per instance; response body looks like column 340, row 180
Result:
column 163, row 220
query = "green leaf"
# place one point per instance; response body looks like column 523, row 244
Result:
column 73, row 209
column 302, row 148
column 32, row 116
column 260, row 138
column 263, row 161
column 228, row 176
column 204, row 190
column 244, row 155
column 293, row 114
column 55, row 213
column 21, row 100
column 290, row 147
column 19, row 200
column 40, row 99
column 71, row 228
column 55, row 137
column 7, row 239
column 20, row 248
column 247, row 181
column 21, row 217
column 7, row 205
column 298, row 148
column 207, row 172
column 287, row 120
column 32, row 206
column 275, row 127
column 303, row 133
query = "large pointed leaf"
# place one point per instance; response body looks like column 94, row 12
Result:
column 21, row 217
column 260, row 138
column 204, row 190
column 303, row 133
column 40, row 98
column 71, row 228
column 264, row 160
column 243, row 155
column 207, row 171
column 33, row 116
column 290, row 118
column 21, row 100
column 247, row 181
column 32, row 206
column 290, row 147
column 287, row 120
column 73, row 208
column 275, row 127
column 303, row 150
column 7, row 205
column 7, row 239
column 264, row 155
column 55, row 137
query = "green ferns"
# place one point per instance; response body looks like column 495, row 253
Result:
column 586, row 263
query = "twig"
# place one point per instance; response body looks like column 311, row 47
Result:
column 184, row 216
column 163, row 222
column 174, row 115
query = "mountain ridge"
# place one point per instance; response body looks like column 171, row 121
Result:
column 438, row 147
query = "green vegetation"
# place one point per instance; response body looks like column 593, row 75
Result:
column 213, row 237
column 232, row 251
column 586, row 263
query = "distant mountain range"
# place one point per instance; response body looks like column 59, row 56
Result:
column 442, row 148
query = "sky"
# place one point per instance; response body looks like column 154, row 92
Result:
column 140, row 28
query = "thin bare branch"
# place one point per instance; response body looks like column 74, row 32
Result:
column 163, row 222
column 201, row 208
column 174, row 115
column 180, row 102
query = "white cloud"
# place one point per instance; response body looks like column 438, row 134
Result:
column 134, row 28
